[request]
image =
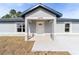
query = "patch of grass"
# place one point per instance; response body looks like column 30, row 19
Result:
column 49, row 53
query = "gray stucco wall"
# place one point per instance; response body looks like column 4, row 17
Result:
column 32, row 27
column 7, row 27
column 75, row 27
column 60, row 27
column 48, row 27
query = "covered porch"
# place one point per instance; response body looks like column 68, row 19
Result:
column 40, row 27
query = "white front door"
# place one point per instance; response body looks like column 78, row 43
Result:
column 40, row 27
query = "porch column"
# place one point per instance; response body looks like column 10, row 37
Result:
column 53, row 29
column 54, row 23
column 26, row 29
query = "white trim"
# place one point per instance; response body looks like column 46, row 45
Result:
column 42, row 18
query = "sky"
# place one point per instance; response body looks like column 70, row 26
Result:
column 69, row 10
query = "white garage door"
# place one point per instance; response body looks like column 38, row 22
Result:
column 7, row 27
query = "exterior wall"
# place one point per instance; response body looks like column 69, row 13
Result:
column 32, row 27
column 60, row 28
column 48, row 27
column 10, row 29
column 75, row 27
column 7, row 27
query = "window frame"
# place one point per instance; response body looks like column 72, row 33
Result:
column 70, row 27
column 20, row 26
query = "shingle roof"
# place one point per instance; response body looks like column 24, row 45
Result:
column 58, row 14
column 67, row 20
column 22, row 20
column 12, row 20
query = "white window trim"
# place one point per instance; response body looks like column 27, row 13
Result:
column 70, row 29
column 21, row 27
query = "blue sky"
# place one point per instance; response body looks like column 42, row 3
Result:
column 69, row 10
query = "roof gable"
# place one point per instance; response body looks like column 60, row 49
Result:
column 44, row 7
column 40, row 12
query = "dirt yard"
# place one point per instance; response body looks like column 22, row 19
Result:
column 16, row 45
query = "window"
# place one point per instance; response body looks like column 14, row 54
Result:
column 67, row 27
column 23, row 27
column 20, row 28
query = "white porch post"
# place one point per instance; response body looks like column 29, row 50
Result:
column 53, row 29
column 54, row 23
column 26, row 29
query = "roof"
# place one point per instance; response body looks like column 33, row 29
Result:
column 67, row 20
column 58, row 14
column 22, row 20
column 12, row 20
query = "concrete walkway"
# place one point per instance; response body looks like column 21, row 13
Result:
column 45, row 43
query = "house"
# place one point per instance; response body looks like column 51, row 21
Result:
column 46, row 27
